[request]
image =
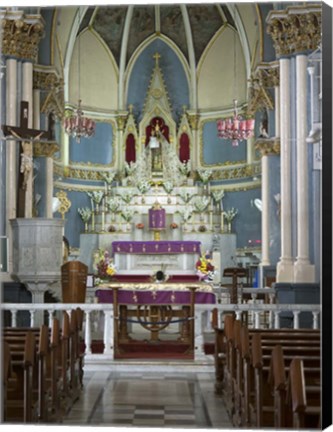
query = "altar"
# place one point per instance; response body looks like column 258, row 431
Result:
column 154, row 307
column 145, row 257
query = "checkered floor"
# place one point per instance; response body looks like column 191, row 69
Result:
column 171, row 400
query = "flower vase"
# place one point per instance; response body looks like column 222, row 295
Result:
column 86, row 227
column 229, row 227
column 97, row 209
column 169, row 199
column 128, row 227
column 143, row 200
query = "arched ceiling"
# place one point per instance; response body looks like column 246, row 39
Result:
column 188, row 26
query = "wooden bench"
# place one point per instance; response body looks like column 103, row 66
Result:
column 58, row 364
column 250, row 388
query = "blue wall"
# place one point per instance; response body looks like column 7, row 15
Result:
column 217, row 150
column 97, row 149
column 178, row 89
column 247, row 223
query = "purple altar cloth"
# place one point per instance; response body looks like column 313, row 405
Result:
column 154, row 297
column 156, row 219
column 156, row 247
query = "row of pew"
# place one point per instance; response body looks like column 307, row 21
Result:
column 269, row 378
column 42, row 370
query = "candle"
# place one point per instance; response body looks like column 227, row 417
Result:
column 211, row 220
column 222, row 221
column 92, row 205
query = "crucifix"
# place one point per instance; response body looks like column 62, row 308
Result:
column 27, row 136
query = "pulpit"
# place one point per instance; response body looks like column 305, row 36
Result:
column 235, row 273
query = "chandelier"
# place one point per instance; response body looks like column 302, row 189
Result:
column 76, row 125
column 79, row 126
column 235, row 128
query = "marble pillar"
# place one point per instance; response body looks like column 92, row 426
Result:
column 303, row 270
column 27, row 95
column 265, row 211
column 285, row 268
column 11, row 153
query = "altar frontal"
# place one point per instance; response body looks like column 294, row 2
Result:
column 154, row 306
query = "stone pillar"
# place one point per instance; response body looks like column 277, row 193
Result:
column 267, row 147
column 285, row 271
column 294, row 30
column 303, row 271
column 11, row 153
column 27, row 73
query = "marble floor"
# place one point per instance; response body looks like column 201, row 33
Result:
column 149, row 399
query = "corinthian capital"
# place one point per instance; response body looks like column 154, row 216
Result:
column 268, row 147
column 21, row 34
column 296, row 29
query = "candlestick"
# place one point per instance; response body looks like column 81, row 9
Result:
column 103, row 220
column 92, row 221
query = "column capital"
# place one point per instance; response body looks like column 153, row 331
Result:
column 296, row 29
column 21, row 34
column 268, row 147
column 47, row 78
column 45, row 149
column 266, row 75
column 193, row 119
column 121, row 120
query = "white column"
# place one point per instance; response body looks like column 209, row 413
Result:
column 285, row 268
column 27, row 71
column 11, row 154
column 249, row 151
column 277, row 110
column 303, row 271
column 265, row 211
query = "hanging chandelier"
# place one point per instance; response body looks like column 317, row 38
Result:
column 79, row 126
column 76, row 125
column 235, row 128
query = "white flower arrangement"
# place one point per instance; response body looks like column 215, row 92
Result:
column 127, row 196
column 113, row 204
column 143, row 186
column 168, row 186
column 85, row 213
column 108, row 177
column 130, row 168
column 201, row 203
column 205, row 175
column 186, row 196
column 96, row 196
column 186, row 213
column 230, row 214
column 217, row 195
column 127, row 214
column 185, row 168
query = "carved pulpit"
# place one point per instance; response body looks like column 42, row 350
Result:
column 234, row 273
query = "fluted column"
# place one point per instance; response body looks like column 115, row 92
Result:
column 27, row 73
column 303, row 271
column 11, row 153
column 285, row 271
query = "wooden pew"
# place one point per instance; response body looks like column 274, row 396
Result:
column 20, row 399
column 303, row 396
column 263, row 411
column 247, row 368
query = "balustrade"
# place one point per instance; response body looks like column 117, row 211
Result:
column 202, row 319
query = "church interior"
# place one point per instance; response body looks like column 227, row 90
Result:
column 161, row 208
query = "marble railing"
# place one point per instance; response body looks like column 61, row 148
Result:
column 101, row 316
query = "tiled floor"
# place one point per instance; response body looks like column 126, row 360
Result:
column 150, row 399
